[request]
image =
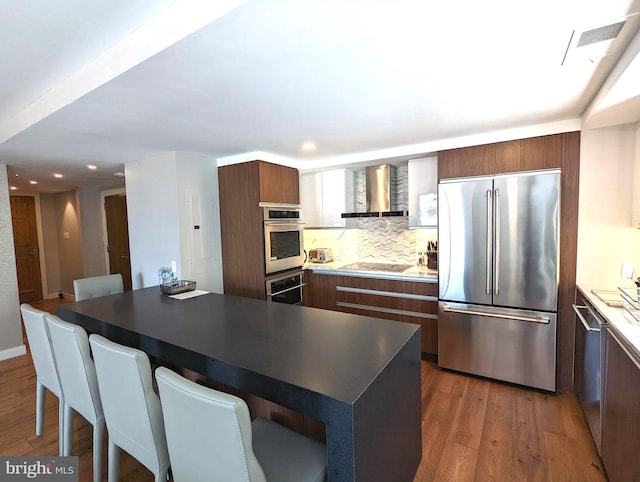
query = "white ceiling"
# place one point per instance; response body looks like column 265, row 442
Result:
column 97, row 82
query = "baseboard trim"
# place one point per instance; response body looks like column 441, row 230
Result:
column 13, row 352
column 66, row 296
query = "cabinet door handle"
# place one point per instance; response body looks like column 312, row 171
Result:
column 576, row 308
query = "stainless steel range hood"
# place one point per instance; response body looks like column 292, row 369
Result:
column 381, row 193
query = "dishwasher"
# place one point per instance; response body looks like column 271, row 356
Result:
column 588, row 373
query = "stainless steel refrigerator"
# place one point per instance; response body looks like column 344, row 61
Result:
column 498, row 269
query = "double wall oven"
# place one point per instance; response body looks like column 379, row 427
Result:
column 284, row 250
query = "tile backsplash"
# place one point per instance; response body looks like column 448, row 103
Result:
column 385, row 240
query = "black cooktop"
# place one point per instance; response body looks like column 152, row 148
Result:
column 364, row 266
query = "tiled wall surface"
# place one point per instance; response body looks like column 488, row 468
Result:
column 374, row 239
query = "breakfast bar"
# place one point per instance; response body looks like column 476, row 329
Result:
column 359, row 376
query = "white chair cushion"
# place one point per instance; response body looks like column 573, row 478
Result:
column 211, row 438
column 208, row 432
column 76, row 369
column 87, row 288
column 40, row 347
column 131, row 408
column 286, row 455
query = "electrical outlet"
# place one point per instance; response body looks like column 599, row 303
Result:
column 627, row 270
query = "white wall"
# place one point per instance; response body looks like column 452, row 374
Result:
column 606, row 237
column 93, row 254
column 50, row 244
column 166, row 197
column 152, row 211
column 69, row 240
column 201, row 254
column 10, row 331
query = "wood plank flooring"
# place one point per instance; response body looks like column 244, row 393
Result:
column 473, row 429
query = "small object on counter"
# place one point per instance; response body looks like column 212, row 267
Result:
column 320, row 255
column 178, row 286
column 432, row 255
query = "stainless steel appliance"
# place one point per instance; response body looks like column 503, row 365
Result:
column 380, row 193
column 286, row 289
column 320, row 255
column 588, row 376
column 498, row 276
column 283, row 241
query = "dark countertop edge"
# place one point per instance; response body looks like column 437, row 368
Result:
column 391, row 360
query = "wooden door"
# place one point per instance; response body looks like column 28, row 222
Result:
column 118, row 237
column 25, row 239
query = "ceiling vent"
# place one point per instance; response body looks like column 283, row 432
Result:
column 592, row 44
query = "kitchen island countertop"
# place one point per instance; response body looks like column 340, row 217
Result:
column 341, row 369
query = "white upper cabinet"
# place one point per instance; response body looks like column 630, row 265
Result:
column 423, row 192
column 322, row 196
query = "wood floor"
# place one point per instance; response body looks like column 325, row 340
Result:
column 473, row 429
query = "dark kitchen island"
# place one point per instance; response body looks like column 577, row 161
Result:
column 360, row 376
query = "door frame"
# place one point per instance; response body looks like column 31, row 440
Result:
column 103, row 214
column 41, row 252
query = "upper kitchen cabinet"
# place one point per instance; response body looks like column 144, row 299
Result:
column 323, row 197
column 536, row 153
column 423, row 189
column 278, row 184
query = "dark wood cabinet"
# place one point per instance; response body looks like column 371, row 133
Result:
column 241, row 188
column 420, row 306
column 321, row 290
column 465, row 162
column 535, row 153
column 391, row 299
column 621, row 419
column 278, row 184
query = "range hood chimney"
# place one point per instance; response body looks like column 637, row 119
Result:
column 381, row 193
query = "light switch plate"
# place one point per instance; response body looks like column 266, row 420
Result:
column 627, row 270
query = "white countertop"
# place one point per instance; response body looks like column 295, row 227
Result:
column 415, row 273
column 618, row 318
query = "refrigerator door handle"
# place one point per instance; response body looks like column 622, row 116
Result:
column 530, row 319
column 489, row 241
column 496, row 274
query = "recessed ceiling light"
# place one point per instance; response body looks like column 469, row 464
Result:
column 58, row 175
column 92, row 167
column 33, row 182
column 308, row 146
column 13, row 188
